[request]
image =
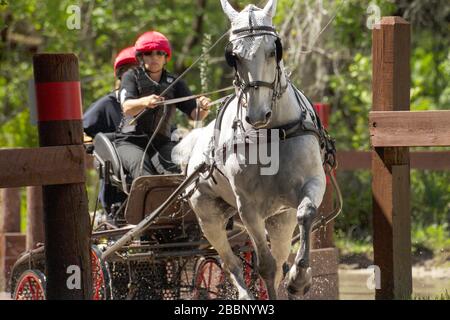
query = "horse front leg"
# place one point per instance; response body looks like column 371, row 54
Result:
column 300, row 274
column 213, row 215
column 266, row 264
column 280, row 228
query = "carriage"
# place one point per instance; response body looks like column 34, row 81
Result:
column 153, row 250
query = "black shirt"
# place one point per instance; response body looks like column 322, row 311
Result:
column 136, row 84
column 104, row 115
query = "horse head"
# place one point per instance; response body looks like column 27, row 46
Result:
column 255, row 51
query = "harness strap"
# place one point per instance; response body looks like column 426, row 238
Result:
column 218, row 124
column 257, row 84
column 300, row 129
column 251, row 29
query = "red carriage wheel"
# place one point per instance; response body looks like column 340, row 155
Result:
column 260, row 288
column 100, row 276
column 209, row 280
column 252, row 278
column 31, row 286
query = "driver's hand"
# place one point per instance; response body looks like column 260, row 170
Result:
column 150, row 101
column 203, row 102
column 86, row 138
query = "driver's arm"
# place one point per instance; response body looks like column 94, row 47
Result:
column 132, row 107
column 202, row 109
column 129, row 98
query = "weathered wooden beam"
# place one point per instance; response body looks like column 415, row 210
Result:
column 430, row 160
column 410, row 129
column 349, row 160
column 390, row 166
column 42, row 166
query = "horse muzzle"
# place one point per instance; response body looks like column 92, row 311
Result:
column 259, row 122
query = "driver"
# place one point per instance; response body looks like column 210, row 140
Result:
column 140, row 89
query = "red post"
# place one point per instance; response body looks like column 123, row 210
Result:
column 66, row 216
column 323, row 238
column 324, row 256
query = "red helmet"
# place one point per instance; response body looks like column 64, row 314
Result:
column 126, row 56
column 153, row 40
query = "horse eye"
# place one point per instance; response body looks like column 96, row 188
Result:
column 272, row 54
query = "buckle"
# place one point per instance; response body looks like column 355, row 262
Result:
column 284, row 134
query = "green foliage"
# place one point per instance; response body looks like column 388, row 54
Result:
column 430, row 197
column 433, row 237
column 355, row 221
column 19, row 132
column 92, row 189
column 23, row 210
column 352, row 104
column 348, row 245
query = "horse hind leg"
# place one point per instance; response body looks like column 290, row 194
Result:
column 300, row 274
column 210, row 212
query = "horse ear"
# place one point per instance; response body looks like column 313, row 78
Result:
column 270, row 8
column 228, row 9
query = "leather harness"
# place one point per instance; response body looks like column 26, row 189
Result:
column 296, row 128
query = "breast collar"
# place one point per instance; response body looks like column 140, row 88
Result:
column 294, row 129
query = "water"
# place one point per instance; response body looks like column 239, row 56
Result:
column 427, row 283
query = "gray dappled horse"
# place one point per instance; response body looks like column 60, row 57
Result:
column 276, row 202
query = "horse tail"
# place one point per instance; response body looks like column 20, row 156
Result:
column 181, row 153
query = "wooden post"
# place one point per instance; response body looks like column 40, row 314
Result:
column 66, row 216
column 35, row 217
column 9, row 225
column 10, row 210
column 390, row 166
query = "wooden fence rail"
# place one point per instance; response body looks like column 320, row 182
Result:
column 42, row 166
column 410, row 129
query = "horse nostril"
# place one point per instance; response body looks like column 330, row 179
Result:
column 268, row 115
column 247, row 118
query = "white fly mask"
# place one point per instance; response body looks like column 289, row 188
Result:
column 246, row 46
column 253, row 34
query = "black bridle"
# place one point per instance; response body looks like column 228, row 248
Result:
column 244, row 86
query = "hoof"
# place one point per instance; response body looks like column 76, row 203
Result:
column 294, row 293
column 247, row 297
column 299, row 282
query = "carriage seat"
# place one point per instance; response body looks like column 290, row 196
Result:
column 149, row 192
column 107, row 156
